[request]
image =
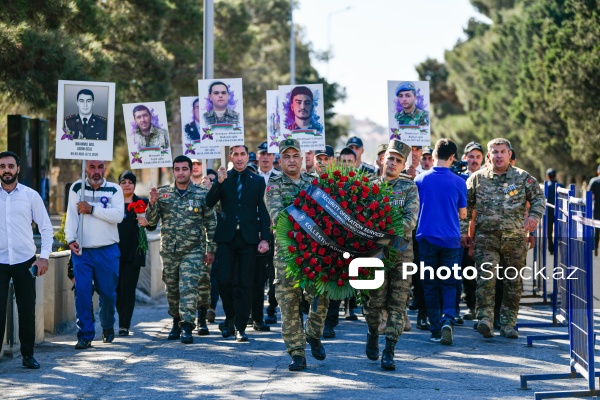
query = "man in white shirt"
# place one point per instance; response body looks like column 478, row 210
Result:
column 19, row 205
column 95, row 251
column 265, row 162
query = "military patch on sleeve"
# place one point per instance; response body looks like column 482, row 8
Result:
column 270, row 188
column 530, row 180
column 167, row 195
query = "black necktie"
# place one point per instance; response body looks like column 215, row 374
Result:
column 239, row 195
column 85, row 124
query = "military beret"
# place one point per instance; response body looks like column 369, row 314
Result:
column 263, row 147
column 396, row 146
column 328, row 151
column 289, row 144
column 405, row 86
column 381, row 148
column 354, row 141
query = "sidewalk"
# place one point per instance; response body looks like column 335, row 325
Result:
column 147, row 366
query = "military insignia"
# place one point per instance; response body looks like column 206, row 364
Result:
column 530, row 180
column 270, row 188
column 166, row 195
column 196, row 209
column 511, row 190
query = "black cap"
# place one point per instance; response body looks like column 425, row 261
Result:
column 428, row 150
column 354, row 141
column 328, row 151
column 252, row 166
column 551, row 172
column 252, row 156
column 127, row 175
column 473, row 146
column 263, row 147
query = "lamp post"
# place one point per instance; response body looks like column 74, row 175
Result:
column 292, row 46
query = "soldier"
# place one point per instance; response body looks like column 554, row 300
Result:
column 220, row 113
column 86, row 124
column 146, row 134
column 187, row 251
column 393, row 294
column 498, row 193
column 288, row 185
column 381, row 149
column 406, row 93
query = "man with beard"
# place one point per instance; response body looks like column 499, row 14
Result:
column 392, row 295
column 302, row 107
column 289, row 296
column 20, row 206
column 410, row 114
column 95, row 251
column 85, row 124
column 218, row 94
column 187, row 249
column 146, row 134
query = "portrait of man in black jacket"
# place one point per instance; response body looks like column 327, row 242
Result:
column 242, row 231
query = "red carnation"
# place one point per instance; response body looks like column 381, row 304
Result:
column 291, row 249
column 291, row 234
column 381, row 213
column 306, row 270
column 339, row 263
column 340, row 185
column 313, row 261
column 354, row 199
column 324, row 176
column 382, row 224
column 366, row 272
column 327, row 232
column 302, row 193
column 336, row 232
column 308, row 197
column 375, row 216
column 344, row 178
column 349, row 235
column 361, row 218
column 356, row 245
column 296, row 202
column 391, row 231
column 342, row 193
column 344, row 204
column 319, row 208
column 313, row 244
column 388, row 219
column 321, row 251
column 327, row 260
column 306, row 255
column 296, row 226
column 315, row 182
column 330, row 181
column 311, row 276
column 327, row 190
column 365, row 179
column 366, row 189
column 386, row 199
column 387, row 208
column 369, row 224
column 332, row 271
column 305, row 208
column 337, row 173
column 359, row 208
column 375, row 189
column 357, row 183
column 298, row 260
column 344, row 276
column 369, row 243
column 299, row 236
column 324, row 278
column 302, row 246
column 318, row 268
column 312, row 212
column 365, row 195
column 340, row 282
column 351, row 174
column 340, row 241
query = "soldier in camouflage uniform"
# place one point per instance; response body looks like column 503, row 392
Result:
column 280, row 192
column 410, row 114
column 392, row 296
column 187, row 250
column 498, row 193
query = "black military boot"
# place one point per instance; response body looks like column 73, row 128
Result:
column 298, row 363
column 372, row 349
column 186, row 334
column 387, row 357
column 202, row 327
column 175, row 330
column 316, row 348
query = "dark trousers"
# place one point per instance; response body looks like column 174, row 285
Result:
column 418, row 293
column 236, row 278
column 550, row 230
column 214, row 284
column 271, row 309
column 128, row 279
column 333, row 314
column 258, row 290
column 469, row 285
column 24, row 285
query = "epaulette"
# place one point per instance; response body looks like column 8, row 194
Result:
column 100, row 117
column 275, row 178
column 164, row 187
column 405, row 176
column 71, row 116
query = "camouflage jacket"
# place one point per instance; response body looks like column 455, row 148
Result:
column 500, row 200
column 406, row 195
column 416, row 117
column 158, row 138
column 187, row 224
column 281, row 191
column 230, row 117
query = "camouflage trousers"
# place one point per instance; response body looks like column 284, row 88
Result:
column 187, row 282
column 391, row 297
column 504, row 252
column 289, row 298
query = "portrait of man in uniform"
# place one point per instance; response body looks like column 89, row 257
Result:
column 220, row 112
column 408, row 111
column 192, row 129
column 85, row 124
column 302, row 107
column 146, row 133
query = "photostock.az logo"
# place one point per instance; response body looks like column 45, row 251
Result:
column 367, row 262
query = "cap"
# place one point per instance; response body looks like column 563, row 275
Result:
column 252, row 166
column 427, row 150
column 195, row 160
column 418, row 147
column 405, row 86
column 328, row 151
column 289, row 144
column 473, row 146
column 381, row 148
column 354, row 141
column 127, row 175
column 551, row 172
column 277, row 156
column 399, row 147
column 263, row 147
column 252, row 156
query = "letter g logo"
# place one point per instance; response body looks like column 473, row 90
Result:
column 370, row 262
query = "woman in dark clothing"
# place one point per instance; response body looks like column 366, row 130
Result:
column 132, row 258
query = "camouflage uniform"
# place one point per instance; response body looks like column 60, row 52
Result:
column 187, row 229
column 393, row 294
column 416, row 117
column 500, row 205
column 230, row 117
column 288, row 296
column 157, row 138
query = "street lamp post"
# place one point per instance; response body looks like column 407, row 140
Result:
column 292, row 46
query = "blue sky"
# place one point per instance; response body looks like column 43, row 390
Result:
column 379, row 40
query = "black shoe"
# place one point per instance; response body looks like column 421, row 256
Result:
column 123, row 332
column 83, row 344
column 298, row 363
column 261, row 327
column 108, row 335
column 328, row 332
column 241, row 337
column 175, row 333
column 422, row 324
column 372, row 349
column 250, row 321
column 30, row 362
column 459, row 320
column 271, row 320
column 413, row 306
column 497, row 324
column 227, row 329
column 387, row 356
column 446, row 333
column 186, row 333
column 203, row 330
column 316, row 348
column 210, row 316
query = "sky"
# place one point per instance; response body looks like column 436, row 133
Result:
column 379, row 40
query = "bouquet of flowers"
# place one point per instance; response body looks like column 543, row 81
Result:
column 341, row 216
column 139, row 208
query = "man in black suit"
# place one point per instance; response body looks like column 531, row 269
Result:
column 86, row 124
column 242, row 230
column 192, row 130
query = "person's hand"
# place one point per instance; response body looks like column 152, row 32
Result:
column 142, row 221
column 75, row 248
column 209, row 258
column 530, row 241
column 263, row 246
column 153, row 196
column 84, row 207
column 42, row 265
column 472, row 248
column 222, row 173
column 206, row 182
column 412, row 171
column 530, row 224
column 465, row 241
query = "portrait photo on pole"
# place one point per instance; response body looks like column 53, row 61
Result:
column 147, row 133
column 221, row 112
column 273, row 121
column 409, row 112
column 303, row 115
column 85, row 120
column 191, row 128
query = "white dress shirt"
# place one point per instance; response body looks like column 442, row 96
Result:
column 267, row 175
column 17, row 210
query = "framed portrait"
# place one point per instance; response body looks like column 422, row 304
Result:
column 147, row 133
column 273, row 121
column 302, row 115
column 409, row 112
column 221, row 112
column 191, row 128
column 85, row 120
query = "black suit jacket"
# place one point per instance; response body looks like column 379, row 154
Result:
column 253, row 214
column 191, row 131
column 95, row 129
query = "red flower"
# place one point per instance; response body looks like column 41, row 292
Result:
column 291, row 249
column 387, row 208
column 369, row 224
column 299, row 237
column 337, row 173
column 305, row 208
column 366, row 189
column 354, row 199
column 321, row 251
column 138, row 207
column 351, row 174
column 369, row 243
column 327, row 190
column 357, row 183
column 313, row 261
column 344, row 276
column 340, row 241
column 302, row 193
column 327, row 232
column 302, row 246
column 290, row 218
column 296, row 226
column 359, row 208
column 315, row 182
column 324, row 176
column 361, row 218
column 318, row 268
column 313, row 244
column 375, row 189
column 388, row 219
column 365, row 195
column 391, row 231
column 375, row 216
column 382, row 224
column 306, row 270
column 365, row 272
column 356, row 245
column 340, row 282
column 339, row 263
column 332, row 271
column 381, row 213
column 342, row 193
column 344, row 204
column 344, row 178
column 319, row 209
column 330, row 181
column 311, row 276
column 349, row 235
column 340, row 185
column 298, row 260
column 385, row 199
column 365, row 179
column 306, row 255
column 312, row 212
column 324, row 278
column 327, row 260
column 291, row 234
column 308, row 197
column 336, row 232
